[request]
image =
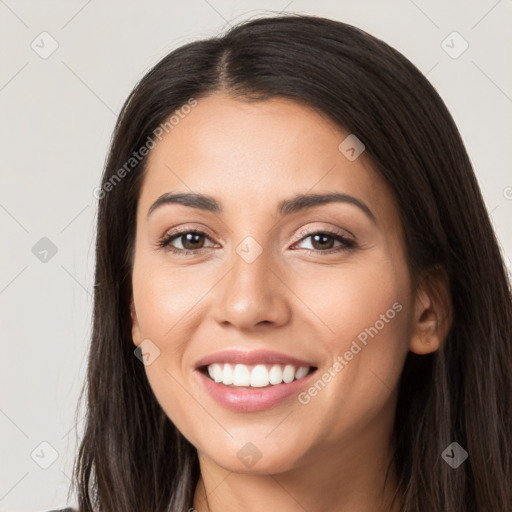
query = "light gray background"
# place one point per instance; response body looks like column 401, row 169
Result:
column 57, row 115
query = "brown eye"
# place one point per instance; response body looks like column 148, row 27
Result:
column 190, row 242
column 324, row 242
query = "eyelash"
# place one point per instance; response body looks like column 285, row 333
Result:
column 164, row 243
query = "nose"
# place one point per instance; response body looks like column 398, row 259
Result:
column 252, row 294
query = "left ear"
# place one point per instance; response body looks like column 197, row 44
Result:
column 432, row 312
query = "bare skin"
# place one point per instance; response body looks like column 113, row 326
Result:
column 331, row 453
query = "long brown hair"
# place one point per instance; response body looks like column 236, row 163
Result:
column 131, row 457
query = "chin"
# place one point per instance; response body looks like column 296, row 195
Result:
column 260, row 457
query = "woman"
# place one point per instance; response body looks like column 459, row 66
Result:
column 300, row 303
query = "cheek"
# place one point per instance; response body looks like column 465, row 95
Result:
column 164, row 302
column 351, row 300
column 165, row 299
column 363, row 313
column 170, row 304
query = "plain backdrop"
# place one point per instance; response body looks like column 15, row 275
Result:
column 57, row 114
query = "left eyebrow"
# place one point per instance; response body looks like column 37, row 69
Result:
column 284, row 207
column 303, row 201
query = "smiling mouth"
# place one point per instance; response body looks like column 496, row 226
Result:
column 255, row 376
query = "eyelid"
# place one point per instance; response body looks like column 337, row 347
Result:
column 344, row 233
column 183, row 229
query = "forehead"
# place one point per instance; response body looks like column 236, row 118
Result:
column 254, row 154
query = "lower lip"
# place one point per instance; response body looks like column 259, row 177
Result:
column 247, row 399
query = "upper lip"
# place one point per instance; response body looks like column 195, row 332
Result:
column 251, row 357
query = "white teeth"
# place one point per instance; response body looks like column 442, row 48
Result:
column 275, row 375
column 241, row 376
column 288, row 373
column 227, row 375
column 216, row 370
column 258, row 376
column 301, row 372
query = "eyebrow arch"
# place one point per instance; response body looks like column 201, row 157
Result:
column 285, row 207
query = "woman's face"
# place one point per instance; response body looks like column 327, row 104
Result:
column 271, row 287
